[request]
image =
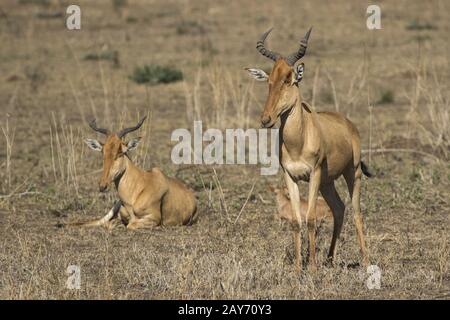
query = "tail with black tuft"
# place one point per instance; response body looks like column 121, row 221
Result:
column 365, row 170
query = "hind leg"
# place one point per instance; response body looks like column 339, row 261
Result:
column 353, row 178
column 146, row 219
column 337, row 207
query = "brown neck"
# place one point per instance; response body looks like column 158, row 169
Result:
column 292, row 127
column 127, row 179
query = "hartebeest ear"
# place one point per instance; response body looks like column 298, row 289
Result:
column 299, row 73
column 258, row 74
column 131, row 145
column 94, row 144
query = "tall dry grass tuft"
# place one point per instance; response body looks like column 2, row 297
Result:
column 193, row 99
column 435, row 117
column 9, row 135
column 65, row 146
column 220, row 100
column 345, row 100
column 333, row 90
column 442, row 259
column 222, row 201
column 227, row 102
column 429, row 114
column 143, row 152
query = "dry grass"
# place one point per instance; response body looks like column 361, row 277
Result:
column 237, row 249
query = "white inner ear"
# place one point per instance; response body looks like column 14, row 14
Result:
column 94, row 144
column 299, row 72
column 132, row 144
column 258, row 74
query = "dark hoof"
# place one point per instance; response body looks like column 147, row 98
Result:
column 353, row 265
column 328, row 263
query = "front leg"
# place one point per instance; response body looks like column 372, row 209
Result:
column 314, row 185
column 106, row 221
column 294, row 195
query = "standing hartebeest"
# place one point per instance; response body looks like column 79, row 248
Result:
column 147, row 198
column 317, row 147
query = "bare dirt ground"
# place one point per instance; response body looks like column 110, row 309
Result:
column 49, row 90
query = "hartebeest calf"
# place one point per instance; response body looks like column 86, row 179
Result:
column 147, row 198
column 317, row 147
column 284, row 207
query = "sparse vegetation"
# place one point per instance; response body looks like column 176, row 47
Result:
column 417, row 25
column 131, row 19
column 49, row 15
column 237, row 249
column 155, row 74
column 119, row 4
column 327, row 97
column 387, row 96
column 36, row 2
column 189, row 27
column 111, row 55
column 9, row 134
column 35, row 75
column 105, row 55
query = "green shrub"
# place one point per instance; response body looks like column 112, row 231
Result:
column 416, row 25
column 131, row 19
column 117, row 4
column 105, row 55
column 421, row 37
column 49, row 15
column 190, row 27
column 38, row 2
column 155, row 74
column 327, row 97
column 111, row 55
column 386, row 97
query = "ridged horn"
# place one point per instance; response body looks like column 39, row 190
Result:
column 93, row 125
column 125, row 131
column 262, row 49
column 294, row 57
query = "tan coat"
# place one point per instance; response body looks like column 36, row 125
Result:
column 285, row 212
column 147, row 198
column 315, row 147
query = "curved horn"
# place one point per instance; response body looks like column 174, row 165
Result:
column 125, row 131
column 94, row 127
column 294, row 57
column 262, row 49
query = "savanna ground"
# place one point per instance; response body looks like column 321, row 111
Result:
column 392, row 83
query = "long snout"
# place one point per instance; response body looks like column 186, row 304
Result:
column 104, row 180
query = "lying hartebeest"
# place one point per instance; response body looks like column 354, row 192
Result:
column 284, row 207
column 317, row 147
column 147, row 198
